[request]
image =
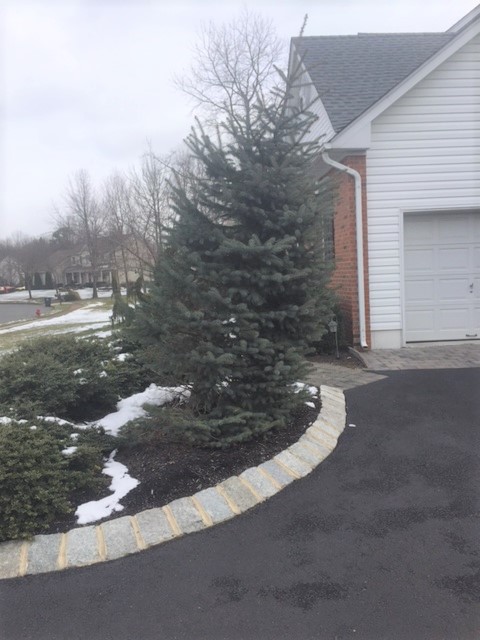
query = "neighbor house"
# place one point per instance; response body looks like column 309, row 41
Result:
column 399, row 121
column 126, row 258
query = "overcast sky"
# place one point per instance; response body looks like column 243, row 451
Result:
column 86, row 83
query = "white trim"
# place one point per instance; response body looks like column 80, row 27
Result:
column 316, row 105
column 351, row 132
column 401, row 249
column 471, row 15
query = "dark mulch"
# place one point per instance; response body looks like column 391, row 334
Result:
column 345, row 359
column 170, row 470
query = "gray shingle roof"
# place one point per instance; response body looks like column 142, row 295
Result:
column 351, row 73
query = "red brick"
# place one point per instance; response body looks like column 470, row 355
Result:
column 344, row 278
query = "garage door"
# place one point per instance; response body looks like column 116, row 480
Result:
column 442, row 276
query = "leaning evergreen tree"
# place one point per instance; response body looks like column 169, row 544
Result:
column 241, row 287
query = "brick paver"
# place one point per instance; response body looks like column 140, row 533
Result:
column 451, row 356
column 341, row 377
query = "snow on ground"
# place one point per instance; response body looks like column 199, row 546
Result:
column 132, row 408
column 300, row 386
column 59, row 421
column 121, row 484
column 103, row 334
column 22, row 296
column 93, row 315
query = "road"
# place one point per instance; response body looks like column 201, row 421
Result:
column 380, row 542
column 12, row 311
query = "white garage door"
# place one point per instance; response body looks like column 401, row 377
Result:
column 442, row 276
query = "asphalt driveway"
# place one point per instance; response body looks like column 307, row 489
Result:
column 380, row 542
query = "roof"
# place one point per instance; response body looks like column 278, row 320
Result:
column 351, row 73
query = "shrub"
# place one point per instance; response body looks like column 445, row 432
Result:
column 128, row 370
column 58, row 375
column 327, row 344
column 37, row 482
column 71, row 296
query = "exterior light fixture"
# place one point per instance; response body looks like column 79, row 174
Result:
column 333, row 328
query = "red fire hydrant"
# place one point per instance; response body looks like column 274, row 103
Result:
column 38, row 313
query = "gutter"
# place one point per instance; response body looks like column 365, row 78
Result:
column 359, row 238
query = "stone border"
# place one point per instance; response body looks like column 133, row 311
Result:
column 116, row 538
column 358, row 356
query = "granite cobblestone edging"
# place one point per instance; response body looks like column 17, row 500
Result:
column 116, row 538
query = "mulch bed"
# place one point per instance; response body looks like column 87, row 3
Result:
column 170, row 470
column 346, row 359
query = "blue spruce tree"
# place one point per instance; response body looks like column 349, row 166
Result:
column 240, row 289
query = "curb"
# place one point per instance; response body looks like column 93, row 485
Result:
column 84, row 546
column 358, row 356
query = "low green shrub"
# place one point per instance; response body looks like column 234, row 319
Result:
column 59, row 375
column 38, row 482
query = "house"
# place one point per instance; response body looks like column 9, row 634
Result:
column 399, row 122
column 122, row 258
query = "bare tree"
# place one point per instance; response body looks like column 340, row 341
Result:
column 87, row 218
column 31, row 256
column 234, row 67
column 118, row 210
column 149, row 188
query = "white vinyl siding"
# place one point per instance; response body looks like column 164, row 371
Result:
column 424, row 155
column 306, row 91
column 322, row 128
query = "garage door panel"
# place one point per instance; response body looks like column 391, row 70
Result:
column 453, row 227
column 476, row 317
column 476, row 228
column 454, row 258
column 420, row 290
column 418, row 235
column 475, row 293
column 421, row 319
column 418, row 260
column 442, row 276
column 476, row 259
column 453, row 318
column 452, row 289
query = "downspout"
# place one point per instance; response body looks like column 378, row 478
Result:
column 359, row 240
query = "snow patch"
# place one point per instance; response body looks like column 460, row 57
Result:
column 122, row 483
column 132, row 408
column 300, row 386
column 59, row 421
column 68, row 451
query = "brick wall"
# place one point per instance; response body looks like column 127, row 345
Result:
column 344, row 278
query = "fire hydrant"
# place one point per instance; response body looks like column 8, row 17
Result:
column 38, row 313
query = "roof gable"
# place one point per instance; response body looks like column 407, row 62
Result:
column 351, row 73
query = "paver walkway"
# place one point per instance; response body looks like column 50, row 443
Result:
column 431, row 356
column 341, row 377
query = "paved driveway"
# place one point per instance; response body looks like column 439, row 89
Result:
column 380, row 542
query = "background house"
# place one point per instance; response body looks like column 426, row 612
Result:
column 115, row 258
column 399, row 116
